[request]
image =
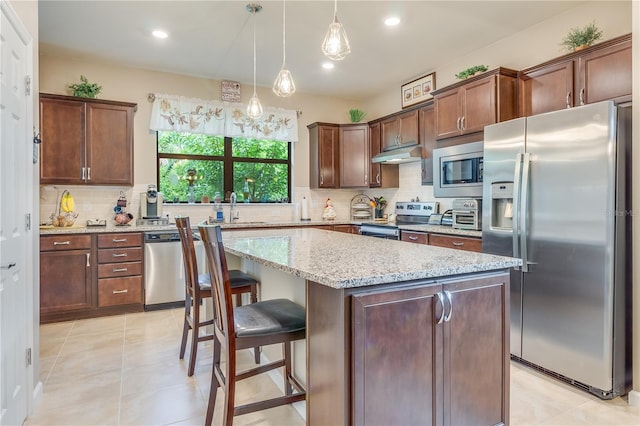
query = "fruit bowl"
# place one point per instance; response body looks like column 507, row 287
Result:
column 62, row 220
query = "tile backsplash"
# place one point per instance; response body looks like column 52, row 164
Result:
column 97, row 202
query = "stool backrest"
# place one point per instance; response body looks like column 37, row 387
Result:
column 220, row 283
column 189, row 258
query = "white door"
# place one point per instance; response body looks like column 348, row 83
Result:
column 14, row 169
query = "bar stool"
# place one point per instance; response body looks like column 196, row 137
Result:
column 198, row 287
column 263, row 323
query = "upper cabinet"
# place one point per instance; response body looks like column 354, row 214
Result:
column 466, row 107
column 354, row 156
column 324, row 155
column 600, row 72
column 380, row 175
column 399, row 129
column 428, row 141
column 86, row 141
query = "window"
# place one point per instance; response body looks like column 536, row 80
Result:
column 256, row 170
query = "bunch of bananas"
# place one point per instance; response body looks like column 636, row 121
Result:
column 67, row 204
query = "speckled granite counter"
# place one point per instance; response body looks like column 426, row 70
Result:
column 342, row 260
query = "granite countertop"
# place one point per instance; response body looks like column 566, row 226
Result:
column 342, row 260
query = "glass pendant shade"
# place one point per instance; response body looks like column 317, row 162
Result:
column 284, row 86
column 336, row 44
column 254, row 109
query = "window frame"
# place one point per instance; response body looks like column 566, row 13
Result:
column 228, row 161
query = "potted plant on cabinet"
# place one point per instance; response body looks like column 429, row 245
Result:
column 581, row 38
column 84, row 89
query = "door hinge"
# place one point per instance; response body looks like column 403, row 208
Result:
column 27, row 221
column 28, row 357
column 27, row 85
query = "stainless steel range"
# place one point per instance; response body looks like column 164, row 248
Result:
column 406, row 213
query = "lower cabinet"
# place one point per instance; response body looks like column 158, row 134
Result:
column 348, row 229
column 90, row 275
column 441, row 240
column 440, row 350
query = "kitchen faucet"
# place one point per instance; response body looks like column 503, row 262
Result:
column 232, row 203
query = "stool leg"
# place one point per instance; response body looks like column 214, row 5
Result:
column 195, row 332
column 288, row 389
column 230, row 388
column 185, row 327
column 254, row 299
column 213, row 391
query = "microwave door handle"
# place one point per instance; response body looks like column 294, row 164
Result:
column 516, row 207
column 524, row 213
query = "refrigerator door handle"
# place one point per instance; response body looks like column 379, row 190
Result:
column 524, row 212
column 516, row 207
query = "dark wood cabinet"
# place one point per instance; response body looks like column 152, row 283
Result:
column 600, row 72
column 86, row 141
column 90, row 275
column 450, row 368
column 66, row 274
column 456, row 242
column 466, row 107
column 399, row 129
column 324, row 155
column 354, row 155
column 380, row 175
column 414, row 237
column 427, row 122
column 348, row 229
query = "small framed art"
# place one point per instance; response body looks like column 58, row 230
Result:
column 419, row 90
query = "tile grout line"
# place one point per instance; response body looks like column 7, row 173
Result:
column 55, row 362
column 124, row 342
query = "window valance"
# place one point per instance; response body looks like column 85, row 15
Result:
column 218, row 118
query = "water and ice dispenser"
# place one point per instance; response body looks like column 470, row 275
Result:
column 502, row 205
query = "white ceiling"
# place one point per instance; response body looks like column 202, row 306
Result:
column 213, row 39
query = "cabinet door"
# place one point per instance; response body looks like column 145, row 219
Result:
column 396, row 357
column 447, row 114
column 456, row 242
column 328, row 157
column 409, row 127
column 62, row 130
column 605, row 74
column 414, row 237
column 374, row 149
column 65, row 281
column 390, row 132
column 109, row 144
column 428, row 141
column 478, row 105
column 546, row 89
column 476, row 351
column 354, row 156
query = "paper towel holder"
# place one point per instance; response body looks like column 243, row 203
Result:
column 304, row 210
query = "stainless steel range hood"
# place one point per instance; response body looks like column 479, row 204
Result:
column 405, row 153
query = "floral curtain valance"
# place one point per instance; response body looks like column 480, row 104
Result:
column 217, row 118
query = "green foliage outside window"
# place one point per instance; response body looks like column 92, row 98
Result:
column 263, row 164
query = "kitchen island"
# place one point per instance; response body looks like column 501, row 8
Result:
column 397, row 333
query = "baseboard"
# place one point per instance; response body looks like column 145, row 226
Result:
column 634, row 398
column 278, row 379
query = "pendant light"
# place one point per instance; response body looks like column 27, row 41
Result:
column 254, row 109
column 283, row 86
column 336, row 44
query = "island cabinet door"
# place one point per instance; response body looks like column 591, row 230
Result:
column 397, row 357
column 476, row 351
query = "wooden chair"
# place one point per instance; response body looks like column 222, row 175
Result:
column 258, row 324
column 198, row 287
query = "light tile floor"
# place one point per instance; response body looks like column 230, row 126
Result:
column 124, row 370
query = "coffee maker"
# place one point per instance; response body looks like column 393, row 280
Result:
column 151, row 203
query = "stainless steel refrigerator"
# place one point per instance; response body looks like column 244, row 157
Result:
column 556, row 194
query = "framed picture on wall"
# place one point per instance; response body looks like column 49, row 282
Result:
column 419, row 90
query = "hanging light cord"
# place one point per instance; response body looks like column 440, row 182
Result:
column 284, row 34
column 254, row 52
column 335, row 10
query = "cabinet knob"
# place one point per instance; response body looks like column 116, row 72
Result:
column 88, row 173
column 462, row 120
column 458, row 124
column 447, row 317
column 441, row 301
column 457, row 243
column 121, row 240
column 412, row 238
column 119, row 255
column 582, row 96
column 321, row 180
column 88, row 259
column 120, row 291
column 61, row 243
column 568, row 100
column 378, row 178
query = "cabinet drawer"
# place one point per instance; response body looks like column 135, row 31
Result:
column 460, row 243
column 108, row 270
column 119, row 291
column 128, row 239
column 414, row 237
column 131, row 254
column 65, row 242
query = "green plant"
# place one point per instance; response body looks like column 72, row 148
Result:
column 471, row 71
column 356, row 115
column 585, row 36
column 85, row 89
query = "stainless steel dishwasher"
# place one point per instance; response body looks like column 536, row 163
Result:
column 164, row 269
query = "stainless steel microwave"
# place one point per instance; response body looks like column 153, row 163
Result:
column 457, row 170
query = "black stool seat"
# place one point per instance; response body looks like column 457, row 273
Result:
column 268, row 317
column 238, row 279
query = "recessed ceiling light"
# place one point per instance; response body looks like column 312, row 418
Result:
column 328, row 65
column 160, row 34
column 392, row 21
